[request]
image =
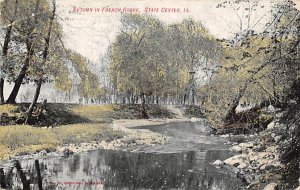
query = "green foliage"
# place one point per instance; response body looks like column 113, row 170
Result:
column 256, row 67
column 149, row 57
column 89, row 85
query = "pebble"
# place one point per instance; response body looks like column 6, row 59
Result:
column 242, row 166
column 277, row 138
column 224, row 136
column 271, row 125
column 218, row 163
column 43, row 153
column 271, row 186
column 236, row 160
column 236, row 148
column 246, row 145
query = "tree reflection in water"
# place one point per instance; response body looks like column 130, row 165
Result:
column 125, row 170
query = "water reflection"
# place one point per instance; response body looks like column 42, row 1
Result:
column 184, row 162
column 124, row 170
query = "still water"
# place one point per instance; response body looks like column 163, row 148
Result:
column 184, row 162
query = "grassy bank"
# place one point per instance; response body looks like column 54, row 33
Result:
column 21, row 139
column 66, row 124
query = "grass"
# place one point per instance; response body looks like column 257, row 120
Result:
column 8, row 109
column 20, row 139
column 95, row 113
column 71, row 123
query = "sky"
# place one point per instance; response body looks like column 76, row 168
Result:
column 90, row 33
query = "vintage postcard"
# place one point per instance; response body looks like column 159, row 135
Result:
column 150, row 94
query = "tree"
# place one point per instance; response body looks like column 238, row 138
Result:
column 8, row 17
column 256, row 67
column 40, row 71
column 89, row 86
column 145, row 62
column 26, row 34
column 195, row 50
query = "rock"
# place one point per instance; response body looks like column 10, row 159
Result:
column 262, row 162
column 257, row 148
column 254, row 156
column 244, row 146
column 237, row 149
column 279, row 115
column 273, row 166
column 236, row 160
column 271, row 149
column 298, row 188
column 277, row 138
column 43, row 153
column 254, row 185
column 242, row 166
column 292, row 102
column 271, row 125
column 271, row 186
column 218, row 163
column 263, row 167
column 193, row 119
column 224, row 136
column 271, row 108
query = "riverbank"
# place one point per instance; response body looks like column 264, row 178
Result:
column 259, row 162
column 75, row 128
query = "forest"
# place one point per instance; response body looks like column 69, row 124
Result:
column 150, row 63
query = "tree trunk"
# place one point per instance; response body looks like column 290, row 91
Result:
column 18, row 82
column 34, row 101
column 232, row 110
column 30, row 51
column 1, row 91
column 45, row 55
column 235, row 102
column 184, row 99
column 143, row 106
column 5, row 51
column 153, row 99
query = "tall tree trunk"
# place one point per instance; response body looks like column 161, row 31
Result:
column 30, row 51
column 232, row 110
column 184, row 98
column 34, row 101
column 143, row 106
column 18, row 82
column 1, row 91
column 45, row 55
column 5, row 50
column 153, row 99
